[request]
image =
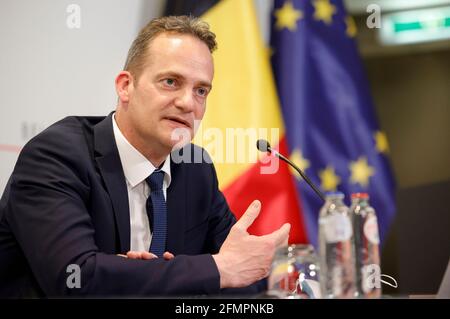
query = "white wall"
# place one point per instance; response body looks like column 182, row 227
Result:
column 49, row 71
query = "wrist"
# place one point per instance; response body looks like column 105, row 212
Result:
column 221, row 266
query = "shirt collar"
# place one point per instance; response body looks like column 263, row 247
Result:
column 135, row 166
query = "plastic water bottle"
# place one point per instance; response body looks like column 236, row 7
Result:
column 337, row 275
column 366, row 247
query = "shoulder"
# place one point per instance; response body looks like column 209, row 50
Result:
column 64, row 135
column 64, row 144
column 71, row 127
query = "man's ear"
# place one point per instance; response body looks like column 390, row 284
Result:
column 124, row 82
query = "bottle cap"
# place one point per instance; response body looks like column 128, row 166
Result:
column 360, row 195
column 334, row 195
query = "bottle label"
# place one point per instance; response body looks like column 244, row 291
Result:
column 337, row 228
column 337, row 281
column 370, row 278
column 371, row 230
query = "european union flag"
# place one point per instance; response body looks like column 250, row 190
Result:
column 330, row 122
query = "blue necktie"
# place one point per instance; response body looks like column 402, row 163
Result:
column 157, row 204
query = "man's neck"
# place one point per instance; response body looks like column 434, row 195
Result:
column 153, row 152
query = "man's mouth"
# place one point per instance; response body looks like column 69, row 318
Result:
column 178, row 120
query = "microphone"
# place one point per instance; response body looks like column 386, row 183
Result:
column 264, row 146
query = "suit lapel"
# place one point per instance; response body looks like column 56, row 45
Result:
column 176, row 209
column 110, row 166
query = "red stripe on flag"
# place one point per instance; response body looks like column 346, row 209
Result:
column 278, row 196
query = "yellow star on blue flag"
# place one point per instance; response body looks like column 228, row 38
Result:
column 328, row 111
column 287, row 16
column 324, row 10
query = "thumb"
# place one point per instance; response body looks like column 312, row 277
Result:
column 281, row 235
column 249, row 216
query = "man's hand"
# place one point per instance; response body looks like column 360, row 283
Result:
column 145, row 255
column 244, row 258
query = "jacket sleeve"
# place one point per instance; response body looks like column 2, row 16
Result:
column 47, row 212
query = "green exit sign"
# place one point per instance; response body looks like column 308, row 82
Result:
column 415, row 26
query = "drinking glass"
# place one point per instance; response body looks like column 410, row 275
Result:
column 294, row 273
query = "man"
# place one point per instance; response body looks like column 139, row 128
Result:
column 97, row 193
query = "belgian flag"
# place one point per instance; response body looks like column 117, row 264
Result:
column 244, row 99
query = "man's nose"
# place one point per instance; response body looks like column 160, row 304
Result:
column 185, row 100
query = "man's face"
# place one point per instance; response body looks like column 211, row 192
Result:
column 171, row 90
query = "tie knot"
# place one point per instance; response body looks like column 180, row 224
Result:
column 155, row 180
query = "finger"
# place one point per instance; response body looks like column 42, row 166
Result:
column 134, row 254
column 120, row 255
column 147, row 255
column 168, row 256
column 250, row 215
column 286, row 242
column 281, row 235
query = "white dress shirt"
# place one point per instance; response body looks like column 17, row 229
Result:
column 136, row 169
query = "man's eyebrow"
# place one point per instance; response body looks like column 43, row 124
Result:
column 206, row 84
column 169, row 74
column 176, row 75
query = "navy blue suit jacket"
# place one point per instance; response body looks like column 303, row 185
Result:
column 66, row 203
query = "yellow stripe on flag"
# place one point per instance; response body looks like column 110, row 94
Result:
column 244, row 94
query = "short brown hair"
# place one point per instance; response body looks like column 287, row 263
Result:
column 170, row 24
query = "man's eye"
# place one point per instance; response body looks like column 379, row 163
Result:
column 202, row 91
column 169, row 82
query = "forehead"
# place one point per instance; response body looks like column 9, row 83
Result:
column 180, row 53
